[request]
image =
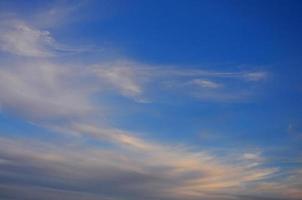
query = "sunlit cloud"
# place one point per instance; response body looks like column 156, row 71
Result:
column 172, row 172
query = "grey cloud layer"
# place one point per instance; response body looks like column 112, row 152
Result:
column 141, row 170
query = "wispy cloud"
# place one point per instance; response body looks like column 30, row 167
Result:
column 64, row 97
column 20, row 39
column 171, row 172
column 45, row 89
column 206, row 83
column 123, row 77
column 57, row 13
column 255, row 76
column 135, row 80
column 129, row 78
column 40, row 90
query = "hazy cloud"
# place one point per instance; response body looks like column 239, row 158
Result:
column 40, row 90
column 20, row 39
column 206, row 83
column 171, row 172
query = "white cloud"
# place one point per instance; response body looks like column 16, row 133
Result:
column 41, row 90
column 136, row 80
column 206, row 83
column 123, row 78
column 20, row 39
column 255, row 76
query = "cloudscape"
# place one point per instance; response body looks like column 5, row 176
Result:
column 150, row 100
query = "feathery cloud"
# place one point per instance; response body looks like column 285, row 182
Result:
column 171, row 172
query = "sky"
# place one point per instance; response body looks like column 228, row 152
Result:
column 152, row 100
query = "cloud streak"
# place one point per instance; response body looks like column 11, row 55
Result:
column 42, row 89
column 171, row 172
column 22, row 39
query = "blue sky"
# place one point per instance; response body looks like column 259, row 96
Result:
column 136, row 100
